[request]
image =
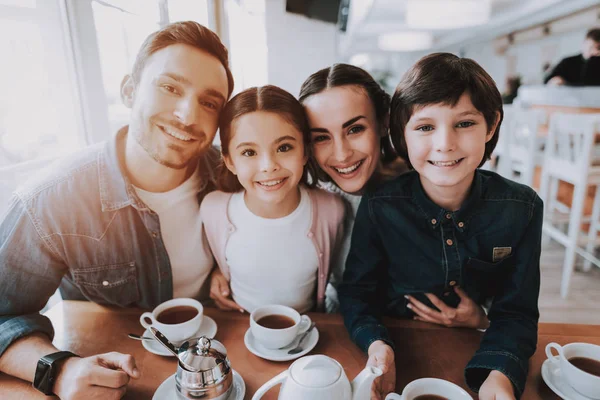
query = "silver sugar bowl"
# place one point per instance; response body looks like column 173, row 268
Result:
column 211, row 377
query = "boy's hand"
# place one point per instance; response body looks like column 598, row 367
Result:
column 467, row 314
column 496, row 387
column 220, row 293
column 381, row 356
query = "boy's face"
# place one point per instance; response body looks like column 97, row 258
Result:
column 446, row 144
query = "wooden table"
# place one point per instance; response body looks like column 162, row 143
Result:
column 423, row 350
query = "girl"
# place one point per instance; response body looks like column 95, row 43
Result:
column 272, row 235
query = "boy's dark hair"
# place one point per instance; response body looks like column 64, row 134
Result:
column 443, row 78
column 593, row 34
column 186, row 32
column 267, row 98
column 349, row 75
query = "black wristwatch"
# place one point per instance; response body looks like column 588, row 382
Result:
column 45, row 373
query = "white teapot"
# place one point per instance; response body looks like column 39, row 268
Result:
column 320, row 377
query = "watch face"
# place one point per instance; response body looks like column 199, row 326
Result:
column 43, row 377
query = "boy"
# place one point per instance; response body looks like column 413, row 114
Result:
column 446, row 225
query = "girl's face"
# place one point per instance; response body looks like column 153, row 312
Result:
column 266, row 152
column 345, row 135
column 446, row 145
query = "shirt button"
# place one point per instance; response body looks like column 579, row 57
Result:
column 320, row 254
column 434, row 221
column 105, row 283
column 449, row 242
column 448, row 216
column 230, row 229
column 452, row 283
column 461, row 224
column 154, row 234
column 310, row 234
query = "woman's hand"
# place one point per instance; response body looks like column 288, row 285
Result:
column 220, row 292
column 496, row 387
column 381, row 356
column 467, row 314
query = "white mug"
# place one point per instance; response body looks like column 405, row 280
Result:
column 174, row 332
column 431, row 386
column 583, row 382
column 277, row 338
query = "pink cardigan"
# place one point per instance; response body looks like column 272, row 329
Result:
column 326, row 231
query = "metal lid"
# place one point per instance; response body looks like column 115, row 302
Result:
column 209, row 360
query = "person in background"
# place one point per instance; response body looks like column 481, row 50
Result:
column 118, row 223
column 444, row 238
column 582, row 69
column 272, row 234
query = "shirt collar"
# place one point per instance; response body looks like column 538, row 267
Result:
column 436, row 215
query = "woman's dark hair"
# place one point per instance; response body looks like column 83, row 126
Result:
column 442, row 78
column 268, row 99
column 349, row 75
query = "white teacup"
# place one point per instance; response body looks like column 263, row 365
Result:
column 179, row 331
column 431, row 386
column 277, row 338
column 583, row 382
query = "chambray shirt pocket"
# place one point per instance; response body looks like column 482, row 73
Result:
column 109, row 284
column 488, row 275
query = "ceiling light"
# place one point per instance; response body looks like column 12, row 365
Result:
column 405, row 41
column 447, row 14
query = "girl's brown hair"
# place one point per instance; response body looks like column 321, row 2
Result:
column 442, row 78
column 267, row 98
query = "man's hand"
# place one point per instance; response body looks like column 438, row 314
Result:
column 557, row 80
column 496, row 387
column 381, row 356
column 467, row 314
column 104, row 376
column 220, row 293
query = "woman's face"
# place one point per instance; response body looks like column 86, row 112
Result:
column 345, row 135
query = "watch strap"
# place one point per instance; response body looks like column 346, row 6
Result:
column 45, row 371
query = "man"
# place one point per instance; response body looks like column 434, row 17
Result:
column 582, row 69
column 118, row 223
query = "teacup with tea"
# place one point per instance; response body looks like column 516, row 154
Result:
column 580, row 365
column 177, row 319
column 431, row 389
column 276, row 326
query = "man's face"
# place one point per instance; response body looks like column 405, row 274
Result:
column 590, row 48
column 176, row 104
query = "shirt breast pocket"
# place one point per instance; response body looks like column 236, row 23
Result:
column 109, row 284
column 487, row 278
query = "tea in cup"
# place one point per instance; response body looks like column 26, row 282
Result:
column 431, row 389
column 277, row 326
column 580, row 365
column 177, row 319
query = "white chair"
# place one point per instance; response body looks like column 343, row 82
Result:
column 569, row 156
column 523, row 149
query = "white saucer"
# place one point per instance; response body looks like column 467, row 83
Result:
column 208, row 329
column 554, row 379
column 167, row 390
column 279, row 354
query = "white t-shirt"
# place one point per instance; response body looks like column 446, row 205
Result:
column 272, row 261
column 181, row 229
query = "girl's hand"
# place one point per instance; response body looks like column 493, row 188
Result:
column 496, row 387
column 220, row 293
column 467, row 314
column 381, row 356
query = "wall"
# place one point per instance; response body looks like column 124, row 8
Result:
column 297, row 46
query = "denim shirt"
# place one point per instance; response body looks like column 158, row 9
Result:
column 403, row 243
column 80, row 226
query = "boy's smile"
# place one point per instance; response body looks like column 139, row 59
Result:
column 445, row 146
